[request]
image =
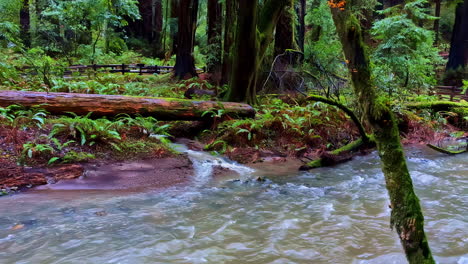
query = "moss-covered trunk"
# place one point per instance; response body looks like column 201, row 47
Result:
column 252, row 39
column 244, row 55
column 406, row 216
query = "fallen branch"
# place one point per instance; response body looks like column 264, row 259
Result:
column 446, row 151
column 111, row 105
column 337, row 156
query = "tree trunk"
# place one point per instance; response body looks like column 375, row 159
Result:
column 406, row 216
column 230, row 23
column 214, row 39
column 390, row 3
column 437, row 21
column 157, row 26
column 185, row 64
column 111, row 105
column 458, row 58
column 25, row 21
column 284, row 35
column 252, row 39
column 174, row 24
column 301, row 13
column 243, row 75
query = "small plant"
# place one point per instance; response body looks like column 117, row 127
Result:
column 86, row 130
column 19, row 116
column 146, row 125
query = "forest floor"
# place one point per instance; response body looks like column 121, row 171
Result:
column 37, row 148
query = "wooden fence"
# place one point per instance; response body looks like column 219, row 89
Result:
column 453, row 93
column 120, row 68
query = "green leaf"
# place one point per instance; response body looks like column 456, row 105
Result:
column 52, row 160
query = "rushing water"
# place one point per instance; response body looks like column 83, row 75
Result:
column 334, row 215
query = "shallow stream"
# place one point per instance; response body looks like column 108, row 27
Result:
column 332, row 215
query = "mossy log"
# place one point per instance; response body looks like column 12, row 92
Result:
column 339, row 155
column 111, row 105
column 436, row 105
column 446, row 151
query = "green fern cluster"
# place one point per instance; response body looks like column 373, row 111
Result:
column 86, row 130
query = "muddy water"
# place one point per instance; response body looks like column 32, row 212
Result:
column 337, row 215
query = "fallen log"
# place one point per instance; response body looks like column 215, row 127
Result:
column 111, row 105
column 446, row 151
column 340, row 155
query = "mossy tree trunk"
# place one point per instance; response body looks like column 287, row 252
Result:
column 254, row 33
column 243, row 74
column 406, row 216
column 284, row 34
column 185, row 64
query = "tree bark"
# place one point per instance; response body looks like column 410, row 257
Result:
column 214, row 39
column 230, row 23
column 406, row 216
column 458, row 58
column 111, row 105
column 157, row 26
column 284, row 35
column 185, row 64
column 437, row 21
column 243, row 74
column 252, row 39
column 301, row 13
column 25, row 21
column 174, row 20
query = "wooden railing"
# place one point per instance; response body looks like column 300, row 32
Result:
column 453, row 93
column 121, row 68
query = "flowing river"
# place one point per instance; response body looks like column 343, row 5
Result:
column 330, row 215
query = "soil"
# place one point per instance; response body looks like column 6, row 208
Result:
column 130, row 175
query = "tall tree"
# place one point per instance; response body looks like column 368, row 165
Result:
column 157, row 26
column 214, row 39
column 230, row 22
column 254, row 34
column 406, row 215
column 458, row 58
column 173, row 24
column 301, row 11
column 25, row 21
column 438, row 7
column 187, row 21
column 284, row 34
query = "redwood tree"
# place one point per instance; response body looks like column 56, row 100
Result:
column 230, row 21
column 214, row 39
column 25, row 21
column 254, row 33
column 406, row 216
column 458, row 58
column 187, row 20
column 284, row 35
